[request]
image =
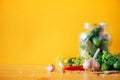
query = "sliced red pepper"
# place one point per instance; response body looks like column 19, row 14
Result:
column 72, row 68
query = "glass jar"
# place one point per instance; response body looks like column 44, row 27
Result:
column 95, row 36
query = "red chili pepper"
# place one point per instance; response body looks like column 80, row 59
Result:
column 72, row 68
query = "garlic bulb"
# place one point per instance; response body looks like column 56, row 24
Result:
column 87, row 64
column 92, row 64
column 95, row 65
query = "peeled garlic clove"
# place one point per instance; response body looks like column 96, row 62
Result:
column 87, row 64
column 61, row 64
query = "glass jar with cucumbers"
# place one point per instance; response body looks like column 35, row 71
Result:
column 96, row 36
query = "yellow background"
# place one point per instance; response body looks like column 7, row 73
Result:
column 39, row 31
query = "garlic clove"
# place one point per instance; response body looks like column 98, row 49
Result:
column 50, row 67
